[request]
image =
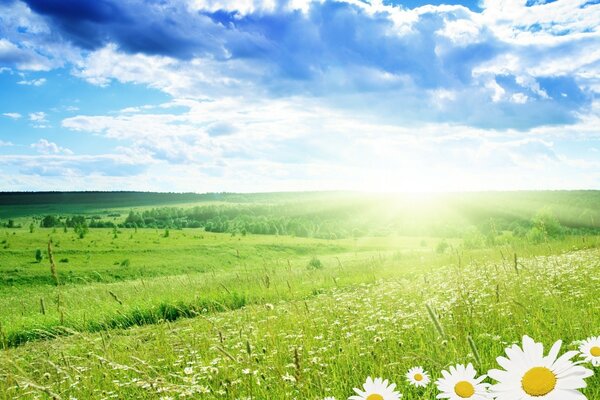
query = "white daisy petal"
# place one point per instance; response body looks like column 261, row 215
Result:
column 529, row 375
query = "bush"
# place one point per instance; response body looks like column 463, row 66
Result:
column 536, row 235
column 547, row 223
column 315, row 263
column 473, row 239
column 39, row 256
column 442, row 247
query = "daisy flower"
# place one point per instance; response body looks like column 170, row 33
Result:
column 461, row 383
column 418, row 377
column 329, row 398
column 377, row 389
column 528, row 374
column 590, row 350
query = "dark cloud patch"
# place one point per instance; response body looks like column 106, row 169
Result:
column 335, row 39
column 149, row 27
column 100, row 11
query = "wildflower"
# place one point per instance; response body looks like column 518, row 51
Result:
column 377, row 389
column 461, row 383
column 590, row 350
column 418, row 377
column 527, row 374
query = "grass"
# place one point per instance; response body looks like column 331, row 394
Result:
column 229, row 317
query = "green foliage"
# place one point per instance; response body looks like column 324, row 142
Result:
column 315, row 263
column 81, row 230
column 322, row 215
column 39, row 256
column 547, row 223
column 442, row 246
column 473, row 239
column 536, row 235
column 50, row 221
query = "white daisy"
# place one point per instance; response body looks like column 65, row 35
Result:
column 461, row 383
column 528, row 374
column 329, row 398
column 590, row 350
column 418, row 377
column 377, row 389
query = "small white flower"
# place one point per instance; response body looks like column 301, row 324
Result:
column 590, row 350
column 377, row 389
column 188, row 370
column 461, row 383
column 418, row 377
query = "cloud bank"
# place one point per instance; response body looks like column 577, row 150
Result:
column 307, row 85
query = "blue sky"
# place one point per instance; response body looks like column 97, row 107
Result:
column 269, row 95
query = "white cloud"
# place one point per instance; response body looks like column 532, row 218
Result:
column 32, row 82
column 5, row 144
column 24, row 59
column 462, row 32
column 390, row 97
column 519, row 98
column 43, row 146
column 312, row 146
column 12, row 115
column 38, row 119
column 39, row 116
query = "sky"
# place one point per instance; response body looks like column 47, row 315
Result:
column 287, row 95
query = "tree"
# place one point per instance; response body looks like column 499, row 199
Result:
column 49, row 221
column 81, row 230
column 442, row 247
column 39, row 256
column 545, row 223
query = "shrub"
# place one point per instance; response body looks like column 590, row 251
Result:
column 39, row 256
column 315, row 263
column 442, row 247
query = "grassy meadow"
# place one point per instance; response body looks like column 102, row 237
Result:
column 285, row 296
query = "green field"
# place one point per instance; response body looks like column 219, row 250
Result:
column 172, row 311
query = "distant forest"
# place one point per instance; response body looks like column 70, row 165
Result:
column 476, row 217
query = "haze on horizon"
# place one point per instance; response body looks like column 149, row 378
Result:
column 296, row 95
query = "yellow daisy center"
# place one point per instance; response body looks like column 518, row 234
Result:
column 464, row 389
column 418, row 377
column 595, row 351
column 374, row 396
column 538, row 381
